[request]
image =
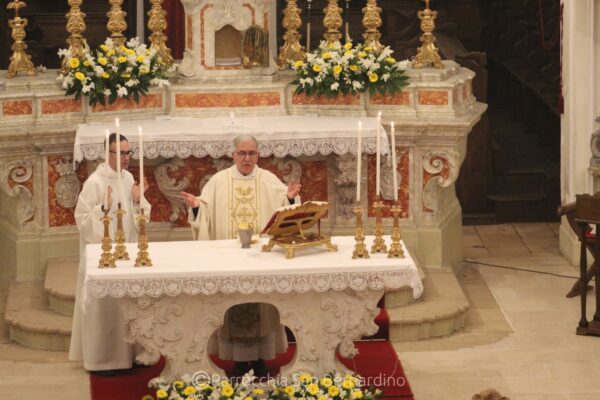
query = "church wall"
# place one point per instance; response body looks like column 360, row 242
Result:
column 581, row 87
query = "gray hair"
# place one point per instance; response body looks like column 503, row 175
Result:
column 244, row 138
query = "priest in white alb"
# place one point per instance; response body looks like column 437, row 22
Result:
column 98, row 332
column 243, row 195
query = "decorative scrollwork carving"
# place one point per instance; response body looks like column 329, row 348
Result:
column 387, row 178
column 595, row 145
column 12, row 177
column 345, row 181
column 291, row 167
column 441, row 169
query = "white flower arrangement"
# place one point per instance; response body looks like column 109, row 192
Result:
column 348, row 69
column 113, row 72
column 332, row 386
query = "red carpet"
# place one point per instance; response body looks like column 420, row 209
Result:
column 376, row 362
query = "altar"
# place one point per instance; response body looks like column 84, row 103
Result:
column 326, row 299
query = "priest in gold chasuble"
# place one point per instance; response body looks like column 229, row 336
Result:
column 243, row 194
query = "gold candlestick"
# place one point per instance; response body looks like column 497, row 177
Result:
column 116, row 22
column 427, row 54
column 143, row 258
column 75, row 26
column 19, row 60
column 360, row 249
column 107, row 260
column 372, row 23
column 291, row 50
column 378, row 244
column 120, row 249
column 395, row 248
column 333, row 22
column 157, row 23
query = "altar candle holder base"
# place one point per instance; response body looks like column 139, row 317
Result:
column 120, row 249
column 143, row 258
column 360, row 249
column 378, row 244
column 107, row 259
column 396, row 250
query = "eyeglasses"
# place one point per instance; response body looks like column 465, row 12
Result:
column 245, row 154
column 127, row 153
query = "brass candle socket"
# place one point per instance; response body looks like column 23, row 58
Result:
column 76, row 27
column 143, row 258
column 116, row 22
column 360, row 249
column 396, row 250
column 157, row 23
column 120, row 249
column 378, row 244
column 107, row 259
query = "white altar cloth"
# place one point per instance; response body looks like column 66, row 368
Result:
column 327, row 299
column 199, row 137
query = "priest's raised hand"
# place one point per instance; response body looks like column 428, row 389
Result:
column 293, row 190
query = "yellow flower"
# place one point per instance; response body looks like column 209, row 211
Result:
column 160, row 61
column 391, row 60
column 178, row 384
column 203, row 386
column 121, row 59
column 337, row 69
column 126, row 76
column 373, row 77
column 348, row 46
column 105, row 75
column 362, row 54
column 86, row 63
column 357, row 394
column 333, row 391
column 80, row 76
column 129, row 52
column 347, row 384
column 144, row 71
column 104, row 48
column 258, row 391
column 74, row 62
column 189, row 390
column 102, row 61
column 368, row 48
column 317, row 68
column 110, row 53
column 227, row 391
column 326, row 382
column 289, row 390
column 305, row 378
column 148, row 52
column 326, row 56
column 299, row 64
column 322, row 397
column 161, row 394
column 123, row 49
column 348, row 53
column 313, row 389
column 354, row 67
column 141, row 58
column 248, row 398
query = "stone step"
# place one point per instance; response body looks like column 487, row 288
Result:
column 440, row 312
column 30, row 320
column 61, row 284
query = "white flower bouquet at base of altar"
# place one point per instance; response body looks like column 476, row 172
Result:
column 202, row 386
column 348, row 69
column 113, row 72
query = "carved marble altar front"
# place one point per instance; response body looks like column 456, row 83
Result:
column 433, row 117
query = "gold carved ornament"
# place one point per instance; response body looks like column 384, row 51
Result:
column 116, row 22
column 333, row 22
column 157, row 23
column 75, row 26
column 372, row 23
column 291, row 50
column 20, row 61
column 428, row 54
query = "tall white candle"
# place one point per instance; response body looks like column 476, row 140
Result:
column 106, row 170
column 118, row 155
column 378, row 158
column 141, row 156
column 358, row 161
column 394, row 166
